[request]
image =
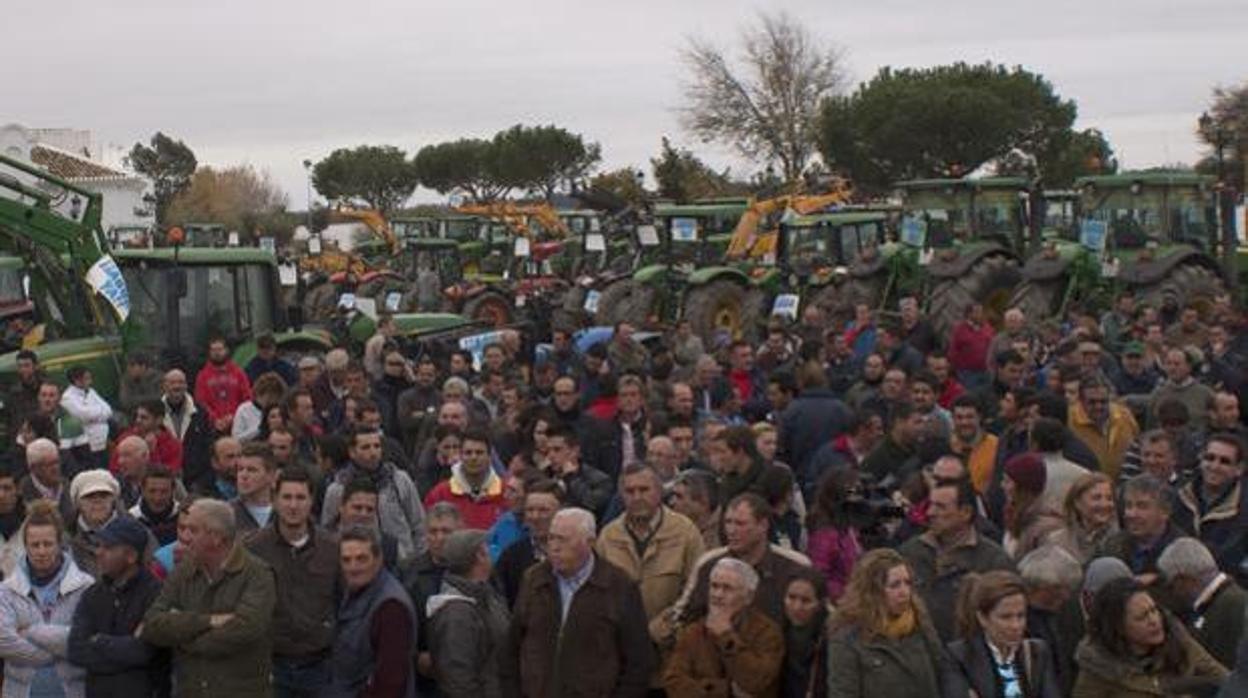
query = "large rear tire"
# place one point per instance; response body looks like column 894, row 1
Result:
column 990, row 282
column 1038, row 299
column 489, row 307
column 625, row 300
column 755, row 313
column 714, row 308
column 841, row 301
column 320, row 302
column 1189, row 283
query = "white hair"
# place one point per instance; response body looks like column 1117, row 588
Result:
column 337, row 359
column 1051, row 565
column 459, row 384
column 1186, row 557
column 218, row 517
column 581, row 519
column 41, row 450
column 747, row 575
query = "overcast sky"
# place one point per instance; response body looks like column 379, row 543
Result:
column 274, row 82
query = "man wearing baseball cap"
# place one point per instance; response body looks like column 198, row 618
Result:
column 102, row 639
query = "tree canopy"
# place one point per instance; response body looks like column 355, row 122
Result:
column 766, row 106
column 169, row 164
column 1228, row 125
column 377, row 176
column 537, row 159
column 947, row 120
column 239, row 198
column 682, row 176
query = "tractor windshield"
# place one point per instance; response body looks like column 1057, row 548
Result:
column 808, row 247
column 12, row 288
column 235, row 302
column 1153, row 214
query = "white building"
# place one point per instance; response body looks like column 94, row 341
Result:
column 69, row 155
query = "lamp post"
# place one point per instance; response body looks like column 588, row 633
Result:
column 307, row 168
column 1212, row 131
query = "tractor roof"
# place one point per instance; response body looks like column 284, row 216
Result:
column 839, row 218
column 1126, row 179
column 201, row 255
column 700, row 209
column 981, row 183
column 432, row 243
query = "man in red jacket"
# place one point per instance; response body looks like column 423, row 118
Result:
column 968, row 347
column 221, row 386
column 163, row 447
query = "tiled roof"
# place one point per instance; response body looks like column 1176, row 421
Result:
column 69, row 166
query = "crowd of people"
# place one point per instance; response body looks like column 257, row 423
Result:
column 1053, row 508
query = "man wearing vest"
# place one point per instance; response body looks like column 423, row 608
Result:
column 376, row 630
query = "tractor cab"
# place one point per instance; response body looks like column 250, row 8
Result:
column 941, row 213
column 693, row 235
column 821, row 243
column 1158, row 208
column 182, row 297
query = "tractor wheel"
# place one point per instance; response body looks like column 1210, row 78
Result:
column 1189, row 284
column 715, row 308
column 625, row 300
column 489, row 307
column 320, row 301
column 1038, row 299
column 755, row 313
column 990, row 282
column 841, row 301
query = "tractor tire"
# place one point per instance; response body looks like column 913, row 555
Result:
column 625, row 300
column 1038, row 299
column 755, row 314
column 868, row 289
column 489, row 307
column 715, row 308
column 320, row 302
column 990, row 282
column 1190, row 284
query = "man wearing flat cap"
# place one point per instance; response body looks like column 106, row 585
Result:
column 468, row 621
column 102, row 639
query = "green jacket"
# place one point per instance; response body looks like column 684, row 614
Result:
column 233, row 659
column 879, row 667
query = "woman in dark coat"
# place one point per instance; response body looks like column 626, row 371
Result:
column 883, row 644
column 805, row 670
column 994, row 659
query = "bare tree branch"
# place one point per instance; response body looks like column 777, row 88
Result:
column 766, row 106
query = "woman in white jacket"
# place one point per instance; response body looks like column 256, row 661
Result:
column 84, row 404
column 37, row 605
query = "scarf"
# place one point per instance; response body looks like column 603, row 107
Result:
column 900, row 626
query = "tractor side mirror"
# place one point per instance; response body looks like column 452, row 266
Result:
column 522, row 247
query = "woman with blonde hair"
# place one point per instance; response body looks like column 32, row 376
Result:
column 993, row 658
column 1091, row 516
column 883, row 644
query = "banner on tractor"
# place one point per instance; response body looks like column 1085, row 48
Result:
column 105, row 278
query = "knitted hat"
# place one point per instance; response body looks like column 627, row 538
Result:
column 1102, row 571
column 1027, row 472
column 459, row 552
column 92, row 481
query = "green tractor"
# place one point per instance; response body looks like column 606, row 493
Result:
column 681, row 257
column 1152, row 232
column 56, row 257
column 958, row 243
column 183, row 296
column 814, row 254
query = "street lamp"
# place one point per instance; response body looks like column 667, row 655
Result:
column 307, row 167
column 1211, row 130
